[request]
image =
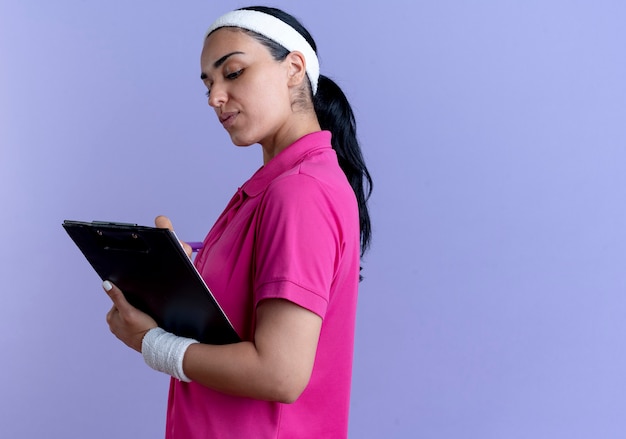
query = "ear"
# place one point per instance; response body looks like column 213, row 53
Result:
column 296, row 68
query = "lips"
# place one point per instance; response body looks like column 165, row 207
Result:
column 227, row 119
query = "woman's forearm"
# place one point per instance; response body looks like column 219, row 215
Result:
column 277, row 366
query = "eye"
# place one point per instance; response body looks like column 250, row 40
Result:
column 208, row 86
column 234, row 75
column 228, row 76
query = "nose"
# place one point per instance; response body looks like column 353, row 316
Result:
column 217, row 96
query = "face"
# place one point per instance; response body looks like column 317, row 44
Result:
column 248, row 89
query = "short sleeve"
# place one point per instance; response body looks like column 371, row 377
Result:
column 298, row 243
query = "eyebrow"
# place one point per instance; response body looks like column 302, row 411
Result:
column 220, row 61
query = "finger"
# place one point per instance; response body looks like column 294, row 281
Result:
column 110, row 315
column 119, row 301
column 187, row 248
column 163, row 222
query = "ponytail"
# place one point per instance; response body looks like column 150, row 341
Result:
column 335, row 115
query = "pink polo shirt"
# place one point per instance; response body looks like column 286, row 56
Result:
column 290, row 232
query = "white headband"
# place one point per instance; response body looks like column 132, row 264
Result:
column 276, row 30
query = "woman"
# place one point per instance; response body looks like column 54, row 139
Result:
column 282, row 259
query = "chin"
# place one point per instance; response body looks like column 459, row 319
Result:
column 238, row 141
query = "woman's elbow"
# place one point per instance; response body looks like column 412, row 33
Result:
column 287, row 397
column 288, row 390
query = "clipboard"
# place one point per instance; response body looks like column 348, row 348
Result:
column 155, row 274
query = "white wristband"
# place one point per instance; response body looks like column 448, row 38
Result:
column 164, row 352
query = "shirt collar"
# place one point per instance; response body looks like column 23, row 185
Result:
column 285, row 160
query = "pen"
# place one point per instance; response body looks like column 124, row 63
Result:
column 195, row 246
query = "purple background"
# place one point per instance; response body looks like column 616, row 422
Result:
column 493, row 305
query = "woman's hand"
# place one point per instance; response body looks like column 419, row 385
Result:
column 125, row 321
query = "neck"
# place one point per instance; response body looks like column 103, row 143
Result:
column 302, row 124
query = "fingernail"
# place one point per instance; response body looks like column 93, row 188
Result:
column 107, row 285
